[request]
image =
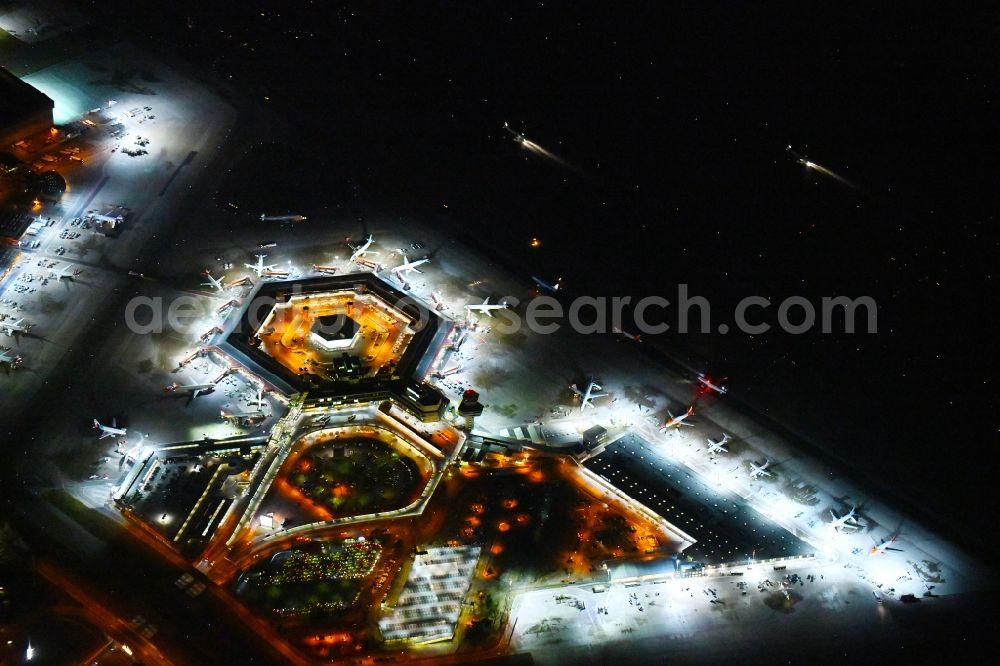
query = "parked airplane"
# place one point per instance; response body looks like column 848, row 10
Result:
column 588, row 396
column 260, row 268
column 715, row 447
column 677, row 420
column 553, row 287
column 214, row 282
column 486, row 307
column 193, row 389
column 329, row 270
column 883, row 546
column 63, row 272
column 362, row 250
column 282, row 218
column 847, row 520
column 10, row 328
column 110, row 431
column 259, row 400
column 409, row 266
column 710, row 385
column 756, row 470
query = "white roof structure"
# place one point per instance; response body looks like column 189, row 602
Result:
column 430, row 603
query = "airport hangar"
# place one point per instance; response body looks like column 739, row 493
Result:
column 25, row 111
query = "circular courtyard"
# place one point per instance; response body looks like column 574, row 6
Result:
column 342, row 473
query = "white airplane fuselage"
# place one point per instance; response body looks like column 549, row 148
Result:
column 486, row 307
column 111, row 430
column 260, row 268
column 675, row 421
column 716, row 447
column 362, row 250
column 410, row 266
column 588, row 396
column 710, row 385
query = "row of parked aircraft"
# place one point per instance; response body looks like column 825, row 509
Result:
column 848, row 520
column 593, row 392
column 194, row 390
column 399, row 271
column 358, row 251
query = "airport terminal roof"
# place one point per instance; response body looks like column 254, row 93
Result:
column 20, row 100
column 431, row 331
column 726, row 527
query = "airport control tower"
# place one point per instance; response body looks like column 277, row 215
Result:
column 470, row 408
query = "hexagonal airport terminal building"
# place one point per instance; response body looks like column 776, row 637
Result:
column 339, row 336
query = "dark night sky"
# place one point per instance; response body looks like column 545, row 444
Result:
column 678, row 119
